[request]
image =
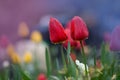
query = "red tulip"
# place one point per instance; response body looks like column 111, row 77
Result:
column 73, row 43
column 79, row 30
column 42, row 77
column 56, row 31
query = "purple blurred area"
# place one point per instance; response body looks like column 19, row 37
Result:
column 12, row 12
column 102, row 15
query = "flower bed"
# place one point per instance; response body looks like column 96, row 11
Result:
column 68, row 58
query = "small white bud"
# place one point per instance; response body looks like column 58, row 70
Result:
column 6, row 64
column 81, row 67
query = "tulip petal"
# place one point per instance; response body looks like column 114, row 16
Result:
column 79, row 30
column 56, row 31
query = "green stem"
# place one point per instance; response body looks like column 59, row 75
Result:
column 84, row 59
column 63, row 57
column 95, row 59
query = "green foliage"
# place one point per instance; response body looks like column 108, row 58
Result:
column 66, row 69
column 48, row 62
column 20, row 74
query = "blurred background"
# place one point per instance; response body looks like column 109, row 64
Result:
column 101, row 16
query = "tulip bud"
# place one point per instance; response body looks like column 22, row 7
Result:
column 42, row 77
column 79, row 30
column 56, row 31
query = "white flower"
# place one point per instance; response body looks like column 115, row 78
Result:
column 6, row 64
column 81, row 67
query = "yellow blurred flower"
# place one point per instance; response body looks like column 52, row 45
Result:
column 10, row 49
column 15, row 58
column 36, row 36
column 23, row 30
column 13, row 55
column 27, row 57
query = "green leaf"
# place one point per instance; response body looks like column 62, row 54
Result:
column 3, row 75
column 106, row 56
column 68, row 51
column 20, row 74
column 57, row 64
column 63, row 57
column 16, row 72
column 71, row 65
column 94, row 55
column 72, row 68
column 48, row 63
column 25, row 75
column 103, row 53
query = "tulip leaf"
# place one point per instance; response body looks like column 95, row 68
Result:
column 4, row 74
column 16, row 72
column 103, row 54
column 106, row 56
column 48, row 63
column 20, row 74
column 25, row 75
column 94, row 55
column 63, row 57
column 68, row 49
column 72, row 68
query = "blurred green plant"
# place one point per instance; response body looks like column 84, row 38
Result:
column 104, row 67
